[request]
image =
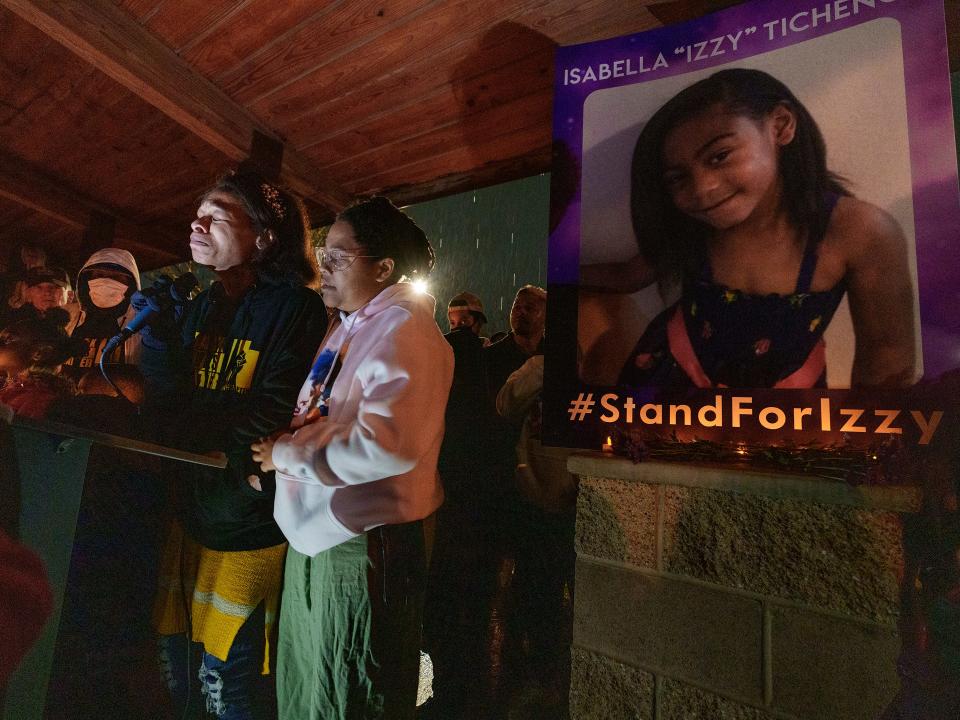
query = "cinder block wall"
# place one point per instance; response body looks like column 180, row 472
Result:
column 714, row 593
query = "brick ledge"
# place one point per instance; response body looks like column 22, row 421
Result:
column 781, row 486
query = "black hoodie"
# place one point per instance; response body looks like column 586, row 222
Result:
column 234, row 379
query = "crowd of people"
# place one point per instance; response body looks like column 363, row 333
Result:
column 370, row 508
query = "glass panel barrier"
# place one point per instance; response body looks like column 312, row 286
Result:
column 44, row 467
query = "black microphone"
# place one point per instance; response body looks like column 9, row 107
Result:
column 162, row 295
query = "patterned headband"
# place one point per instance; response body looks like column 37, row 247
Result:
column 272, row 197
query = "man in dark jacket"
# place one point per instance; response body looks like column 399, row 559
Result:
column 456, row 604
column 502, row 358
column 465, row 311
column 463, row 439
column 475, row 542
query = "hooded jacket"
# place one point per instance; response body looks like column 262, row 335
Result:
column 96, row 325
column 373, row 459
column 232, row 380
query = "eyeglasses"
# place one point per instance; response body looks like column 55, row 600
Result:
column 336, row 261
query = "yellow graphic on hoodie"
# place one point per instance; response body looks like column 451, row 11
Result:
column 224, row 368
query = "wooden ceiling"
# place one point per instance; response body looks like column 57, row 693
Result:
column 116, row 114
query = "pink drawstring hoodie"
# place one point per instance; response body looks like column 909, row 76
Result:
column 373, row 460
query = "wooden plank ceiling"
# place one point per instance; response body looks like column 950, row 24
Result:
column 117, row 114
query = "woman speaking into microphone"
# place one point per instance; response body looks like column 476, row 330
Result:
column 227, row 370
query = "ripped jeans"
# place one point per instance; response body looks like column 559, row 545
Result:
column 231, row 689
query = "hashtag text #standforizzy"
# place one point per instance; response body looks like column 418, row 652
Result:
column 739, row 412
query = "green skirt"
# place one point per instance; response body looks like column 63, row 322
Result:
column 349, row 645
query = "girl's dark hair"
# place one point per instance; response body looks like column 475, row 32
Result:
column 672, row 242
column 384, row 231
column 289, row 258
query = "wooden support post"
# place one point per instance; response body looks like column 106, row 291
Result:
column 99, row 231
column 266, row 156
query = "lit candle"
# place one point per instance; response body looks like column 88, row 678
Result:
column 608, row 445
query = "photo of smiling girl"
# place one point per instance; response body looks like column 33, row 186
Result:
column 731, row 197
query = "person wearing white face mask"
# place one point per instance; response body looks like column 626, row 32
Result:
column 104, row 286
column 106, row 292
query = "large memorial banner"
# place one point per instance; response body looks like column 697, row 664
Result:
column 754, row 229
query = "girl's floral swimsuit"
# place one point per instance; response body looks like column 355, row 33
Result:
column 715, row 336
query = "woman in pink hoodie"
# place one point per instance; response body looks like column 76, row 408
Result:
column 356, row 474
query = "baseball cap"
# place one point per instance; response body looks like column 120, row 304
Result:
column 468, row 300
column 40, row 275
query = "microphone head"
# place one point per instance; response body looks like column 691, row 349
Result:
column 182, row 287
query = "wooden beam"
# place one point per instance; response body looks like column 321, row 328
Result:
column 104, row 35
column 32, row 189
column 493, row 173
